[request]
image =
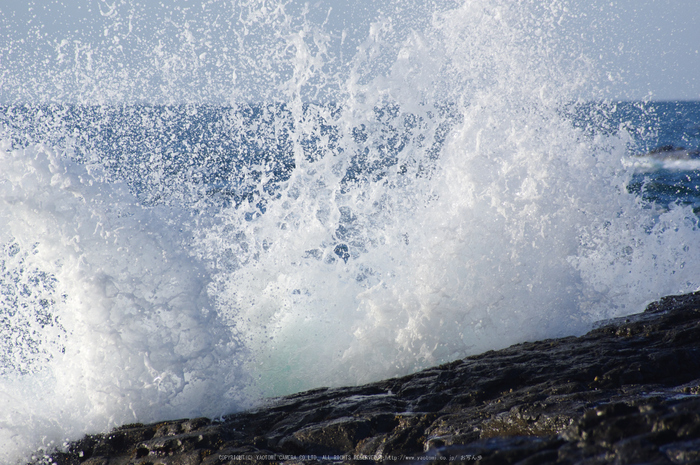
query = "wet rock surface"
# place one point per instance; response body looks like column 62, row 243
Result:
column 626, row 392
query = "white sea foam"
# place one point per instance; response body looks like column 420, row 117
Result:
column 644, row 164
column 454, row 209
column 128, row 331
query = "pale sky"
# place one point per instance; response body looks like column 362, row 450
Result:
column 653, row 45
column 642, row 48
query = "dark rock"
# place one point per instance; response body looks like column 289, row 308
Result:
column 626, row 392
column 672, row 152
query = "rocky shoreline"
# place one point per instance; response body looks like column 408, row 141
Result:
column 626, row 392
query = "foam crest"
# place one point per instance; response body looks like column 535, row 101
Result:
column 126, row 331
column 371, row 262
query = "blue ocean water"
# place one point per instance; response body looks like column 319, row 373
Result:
column 177, row 241
column 663, row 149
column 196, row 146
column 667, row 147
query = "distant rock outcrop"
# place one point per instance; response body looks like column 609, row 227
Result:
column 626, row 392
column 671, row 152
